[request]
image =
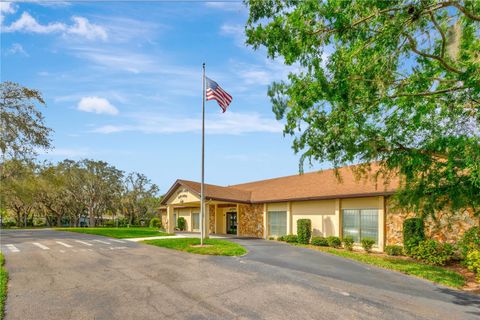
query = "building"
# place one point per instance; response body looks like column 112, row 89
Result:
column 338, row 205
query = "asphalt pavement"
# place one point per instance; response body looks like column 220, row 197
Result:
column 62, row 275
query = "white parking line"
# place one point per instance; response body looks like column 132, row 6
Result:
column 41, row 246
column 64, row 244
column 12, row 248
column 118, row 240
column 83, row 242
column 104, row 242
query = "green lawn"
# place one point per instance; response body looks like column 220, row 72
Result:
column 3, row 286
column 433, row 273
column 214, row 247
column 119, row 233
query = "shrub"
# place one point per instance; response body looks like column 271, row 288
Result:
column 281, row 238
column 291, row 238
column 334, row 242
column 413, row 233
column 472, row 261
column 367, row 244
column 319, row 241
column 271, row 238
column 348, row 243
column 394, row 250
column 470, row 241
column 433, row 252
column 304, row 230
column 181, row 224
column 155, row 223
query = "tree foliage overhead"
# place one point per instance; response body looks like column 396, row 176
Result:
column 396, row 82
column 22, row 127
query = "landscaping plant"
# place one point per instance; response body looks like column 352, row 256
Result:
column 433, row 252
column 413, row 233
column 281, row 238
column 155, row 223
column 394, row 250
column 348, row 243
column 470, row 241
column 291, row 238
column 472, row 261
column 304, row 230
column 367, row 244
column 319, row 241
column 334, row 242
column 182, row 224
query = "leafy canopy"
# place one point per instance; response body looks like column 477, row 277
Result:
column 396, row 82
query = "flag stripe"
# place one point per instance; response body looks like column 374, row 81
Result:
column 215, row 92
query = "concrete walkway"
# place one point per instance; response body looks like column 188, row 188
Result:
column 180, row 235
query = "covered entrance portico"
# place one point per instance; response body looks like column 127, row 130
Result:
column 225, row 212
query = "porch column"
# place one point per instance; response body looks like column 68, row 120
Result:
column 170, row 220
column 215, row 226
column 265, row 222
column 381, row 223
column 289, row 218
column 238, row 219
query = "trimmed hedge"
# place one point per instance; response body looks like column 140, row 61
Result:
column 291, row 238
column 181, row 224
column 433, row 252
column 367, row 244
column 319, row 241
column 304, row 230
column 413, row 233
column 348, row 243
column 334, row 242
column 394, row 250
column 155, row 223
column 472, row 261
column 281, row 238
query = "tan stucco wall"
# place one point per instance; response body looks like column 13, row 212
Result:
column 360, row 203
column 280, row 206
column 182, row 195
column 321, row 213
column 185, row 213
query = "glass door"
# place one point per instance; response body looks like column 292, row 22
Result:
column 195, row 221
column 231, row 222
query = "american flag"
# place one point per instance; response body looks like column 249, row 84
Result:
column 215, row 92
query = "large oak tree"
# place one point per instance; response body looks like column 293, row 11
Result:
column 397, row 82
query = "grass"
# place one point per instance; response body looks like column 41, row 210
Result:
column 214, row 247
column 435, row 274
column 3, row 286
column 120, row 233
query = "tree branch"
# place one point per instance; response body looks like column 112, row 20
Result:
column 426, row 93
column 413, row 45
column 444, row 38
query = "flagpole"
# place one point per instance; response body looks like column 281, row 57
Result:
column 202, row 191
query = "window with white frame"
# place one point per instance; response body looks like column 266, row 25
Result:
column 360, row 224
column 277, row 223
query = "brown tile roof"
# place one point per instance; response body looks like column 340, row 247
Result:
column 308, row 186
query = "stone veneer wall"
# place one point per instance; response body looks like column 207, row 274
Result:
column 446, row 228
column 250, row 220
column 211, row 218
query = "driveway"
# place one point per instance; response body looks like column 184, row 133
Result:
column 60, row 275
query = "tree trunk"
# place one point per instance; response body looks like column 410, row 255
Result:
column 59, row 220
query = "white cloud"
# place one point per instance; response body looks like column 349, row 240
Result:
column 81, row 27
column 17, row 48
column 6, row 8
column 226, row 6
column 229, row 123
column 97, row 105
column 236, row 31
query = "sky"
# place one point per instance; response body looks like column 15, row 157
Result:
column 122, row 81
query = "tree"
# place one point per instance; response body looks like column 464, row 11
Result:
column 393, row 82
column 18, row 189
column 139, row 197
column 51, row 193
column 22, row 127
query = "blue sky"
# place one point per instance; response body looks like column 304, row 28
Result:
column 122, row 82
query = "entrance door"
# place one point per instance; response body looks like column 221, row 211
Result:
column 196, row 221
column 231, row 222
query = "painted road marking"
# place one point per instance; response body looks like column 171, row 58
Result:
column 12, row 248
column 41, row 246
column 104, row 242
column 117, row 248
column 118, row 240
column 62, row 251
column 83, row 242
column 64, row 244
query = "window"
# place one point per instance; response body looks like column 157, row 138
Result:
column 360, row 224
column 196, row 221
column 277, row 223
